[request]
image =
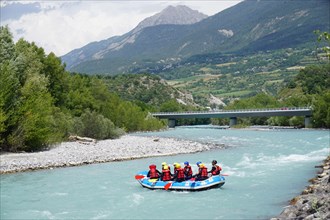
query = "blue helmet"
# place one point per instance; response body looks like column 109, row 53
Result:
column 186, row 163
column 198, row 163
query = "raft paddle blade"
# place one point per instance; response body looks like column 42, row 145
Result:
column 224, row 174
column 167, row 186
column 138, row 177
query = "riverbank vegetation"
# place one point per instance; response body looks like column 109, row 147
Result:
column 41, row 103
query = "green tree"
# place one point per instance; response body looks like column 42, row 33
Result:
column 321, row 110
column 57, row 78
column 171, row 106
column 324, row 37
column 7, row 46
column 9, row 92
column 95, row 125
column 79, row 96
column 33, row 131
column 9, row 84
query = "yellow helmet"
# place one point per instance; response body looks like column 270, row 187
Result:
column 201, row 165
column 164, row 163
column 177, row 166
column 165, row 167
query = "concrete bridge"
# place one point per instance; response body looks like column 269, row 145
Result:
column 234, row 114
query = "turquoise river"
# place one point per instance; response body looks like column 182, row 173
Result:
column 266, row 169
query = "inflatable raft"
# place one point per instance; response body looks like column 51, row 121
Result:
column 190, row 185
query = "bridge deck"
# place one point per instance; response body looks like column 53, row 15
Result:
column 285, row 111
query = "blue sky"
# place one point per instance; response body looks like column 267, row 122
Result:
column 61, row 26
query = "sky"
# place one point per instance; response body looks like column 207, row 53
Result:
column 62, row 26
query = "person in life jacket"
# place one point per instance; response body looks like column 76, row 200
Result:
column 187, row 171
column 179, row 173
column 174, row 167
column 166, row 174
column 165, row 164
column 202, row 172
column 153, row 172
column 215, row 168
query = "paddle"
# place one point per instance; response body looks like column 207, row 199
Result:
column 168, row 185
column 224, row 174
column 138, row 177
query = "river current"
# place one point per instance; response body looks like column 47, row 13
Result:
column 266, row 169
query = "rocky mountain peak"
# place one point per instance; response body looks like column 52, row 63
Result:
column 180, row 14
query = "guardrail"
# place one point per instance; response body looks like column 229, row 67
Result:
column 236, row 110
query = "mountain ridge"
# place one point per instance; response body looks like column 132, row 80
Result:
column 170, row 15
column 245, row 27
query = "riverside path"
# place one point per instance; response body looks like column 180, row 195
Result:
column 234, row 114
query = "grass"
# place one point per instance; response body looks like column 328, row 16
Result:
column 225, row 64
column 235, row 93
column 295, row 67
column 177, row 83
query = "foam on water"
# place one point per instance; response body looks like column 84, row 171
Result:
column 101, row 216
column 58, row 194
column 136, row 199
column 257, row 161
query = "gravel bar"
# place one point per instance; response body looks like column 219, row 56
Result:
column 127, row 147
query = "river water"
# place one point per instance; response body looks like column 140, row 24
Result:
column 266, row 169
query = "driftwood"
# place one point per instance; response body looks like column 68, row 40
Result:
column 83, row 140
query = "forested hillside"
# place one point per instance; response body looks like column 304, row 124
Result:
column 149, row 89
column 42, row 104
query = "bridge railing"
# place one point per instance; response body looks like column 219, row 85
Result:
column 236, row 110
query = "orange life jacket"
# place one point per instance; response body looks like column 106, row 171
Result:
column 153, row 173
column 166, row 175
column 217, row 170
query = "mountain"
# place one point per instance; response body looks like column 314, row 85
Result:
column 247, row 27
column 147, row 88
column 178, row 15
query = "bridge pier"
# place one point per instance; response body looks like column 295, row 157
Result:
column 307, row 121
column 171, row 123
column 233, row 121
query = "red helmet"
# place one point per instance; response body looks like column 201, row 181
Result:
column 152, row 166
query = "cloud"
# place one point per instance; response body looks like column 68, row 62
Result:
column 61, row 26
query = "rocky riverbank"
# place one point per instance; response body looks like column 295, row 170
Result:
column 78, row 153
column 314, row 202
